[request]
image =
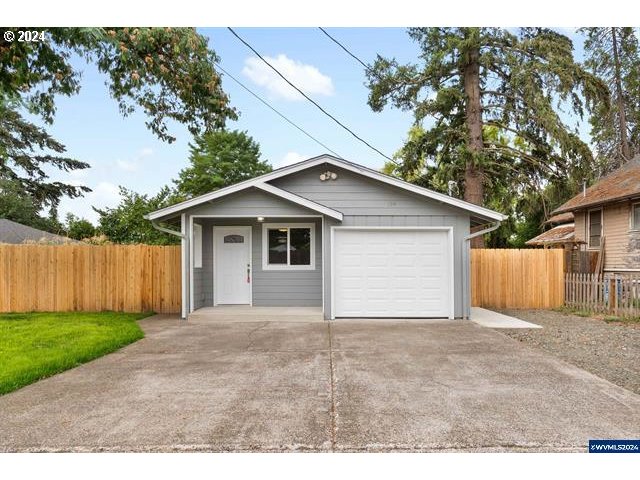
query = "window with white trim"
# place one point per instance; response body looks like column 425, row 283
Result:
column 197, row 246
column 595, row 227
column 635, row 216
column 289, row 246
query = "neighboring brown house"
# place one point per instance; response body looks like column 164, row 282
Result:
column 561, row 235
column 608, row 214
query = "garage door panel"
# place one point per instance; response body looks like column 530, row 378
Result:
column 392, row 273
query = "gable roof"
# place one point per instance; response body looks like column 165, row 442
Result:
column 14, row 232
column 262, row 182
column 620, row 184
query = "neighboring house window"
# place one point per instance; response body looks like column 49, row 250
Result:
column 595, row 227
column 197, row 245
column 635, row 216
column 288, row 246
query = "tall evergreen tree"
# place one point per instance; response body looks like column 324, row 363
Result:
column 613, row 54
column 492, row 95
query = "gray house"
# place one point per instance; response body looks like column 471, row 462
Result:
column 16, row 233
column 329, row 234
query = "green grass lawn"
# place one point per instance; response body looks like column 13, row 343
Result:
column 37, row 345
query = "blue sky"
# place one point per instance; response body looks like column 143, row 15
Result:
column 122, row 151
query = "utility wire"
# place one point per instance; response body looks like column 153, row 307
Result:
column 276, row 111
column 366, row 67
column 307, row 97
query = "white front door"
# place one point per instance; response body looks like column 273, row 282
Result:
column 232, row 265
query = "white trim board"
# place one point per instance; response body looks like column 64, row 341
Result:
column 329, row 212
column 183, row 276
column 449, row 231
column 261, row 181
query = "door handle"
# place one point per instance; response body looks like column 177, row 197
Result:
column 248, row 273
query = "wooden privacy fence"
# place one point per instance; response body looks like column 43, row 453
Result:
column 127, row 278
column 617, row 295
column 510, row 278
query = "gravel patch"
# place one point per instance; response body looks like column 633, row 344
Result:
column 609, row 350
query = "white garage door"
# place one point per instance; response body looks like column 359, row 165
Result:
column 392, row 273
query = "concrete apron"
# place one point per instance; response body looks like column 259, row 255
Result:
column 491, row 319
column 246, row 313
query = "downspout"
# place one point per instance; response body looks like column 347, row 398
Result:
column 466, row 294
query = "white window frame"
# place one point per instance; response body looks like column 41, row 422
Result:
column 601, row 210
column 632, row 226
column 265, row 246
column 197, row 245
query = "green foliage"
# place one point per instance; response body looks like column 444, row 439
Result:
column 620, row 69
column 19, row 207
column 220, row 159
column 125, row 223
column 78, row 228
column 167, row 72
column 25, row 151
column 525, row 80
column 34, row 346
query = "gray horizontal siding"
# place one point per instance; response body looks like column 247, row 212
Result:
column 353, row 194
column 251, row 202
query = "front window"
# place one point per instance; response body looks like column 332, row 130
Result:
column 288, row 246
column 595, row 228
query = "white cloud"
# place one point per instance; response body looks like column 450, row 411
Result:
column 127, row 165
column 289, row 159
column 104, row 194
column 133, row 165
column 306, row 77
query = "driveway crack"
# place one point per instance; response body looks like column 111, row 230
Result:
column 249, row 335
column 332, row 408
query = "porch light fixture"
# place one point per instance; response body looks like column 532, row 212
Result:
column 328, row 175
column 261, row 219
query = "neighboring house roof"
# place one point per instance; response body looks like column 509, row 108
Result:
column 557, row 235
column 261, row 182
column 561, row 218
column 13, row 232
column 620, row 184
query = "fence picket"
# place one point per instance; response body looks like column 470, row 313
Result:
column 56, row 278
column 512, row 278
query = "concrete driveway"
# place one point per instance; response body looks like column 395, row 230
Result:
column 351, row 385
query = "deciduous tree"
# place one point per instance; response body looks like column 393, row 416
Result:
column 169, row 73
column 219, row 159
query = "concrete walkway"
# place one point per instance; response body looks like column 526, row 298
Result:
column 491, row 319
column 312, row 386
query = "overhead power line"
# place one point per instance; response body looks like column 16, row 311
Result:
column 290, row 122
column 366, row 67
column 307, row 97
